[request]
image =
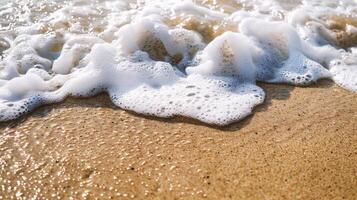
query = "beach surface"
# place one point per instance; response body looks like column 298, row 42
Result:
column 300, row 144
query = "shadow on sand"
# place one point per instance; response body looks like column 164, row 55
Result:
column 273, row 92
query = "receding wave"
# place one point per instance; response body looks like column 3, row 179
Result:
column 197, row 59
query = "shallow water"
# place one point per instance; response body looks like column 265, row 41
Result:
column 199, row 59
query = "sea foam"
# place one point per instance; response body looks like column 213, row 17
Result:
column 174, row 58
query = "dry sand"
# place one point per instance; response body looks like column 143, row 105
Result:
column 301, row 144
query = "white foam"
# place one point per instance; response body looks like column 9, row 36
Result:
column 146, row 64
column 227, row 55
column 282, row 58
column 344, row 70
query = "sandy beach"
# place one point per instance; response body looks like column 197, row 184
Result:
column 300, row 144
column 208, row 62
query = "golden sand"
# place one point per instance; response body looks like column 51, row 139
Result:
column 301, row 144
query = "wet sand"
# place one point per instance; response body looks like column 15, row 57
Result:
column 300, row 144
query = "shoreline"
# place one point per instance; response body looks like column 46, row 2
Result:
column 300, row 143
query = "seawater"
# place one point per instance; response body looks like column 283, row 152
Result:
column 199, row 59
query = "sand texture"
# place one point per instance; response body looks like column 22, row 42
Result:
column 300, row 144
